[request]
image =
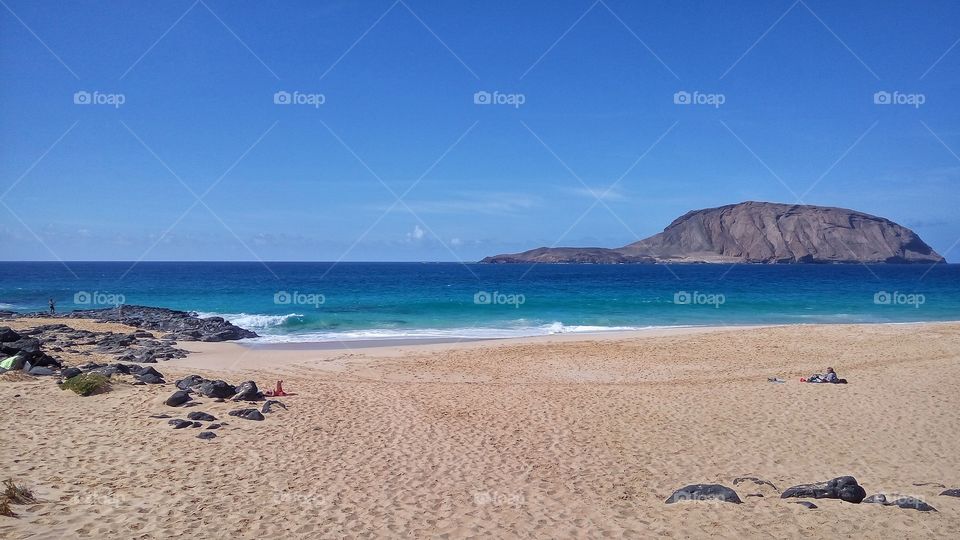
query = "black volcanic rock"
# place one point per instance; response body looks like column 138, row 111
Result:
column 248, row 391
column 757, row 232
column 216, row 389
column 704, row 492
column 8, row 334
column 179, row 325
column 908, row 503
column 844, row 488
column 178, row 398
column 200, row 415
column 247, row 414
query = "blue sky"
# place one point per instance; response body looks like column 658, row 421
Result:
column 588, row 146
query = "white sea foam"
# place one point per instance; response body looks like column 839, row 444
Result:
column 254, row 321
column 443, row 333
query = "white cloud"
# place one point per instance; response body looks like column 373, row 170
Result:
column 417, row 234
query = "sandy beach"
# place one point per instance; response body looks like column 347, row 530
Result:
column 561, row 436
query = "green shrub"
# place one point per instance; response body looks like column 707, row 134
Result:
column 87, row 384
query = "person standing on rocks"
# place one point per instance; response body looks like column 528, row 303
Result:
column 53, row 306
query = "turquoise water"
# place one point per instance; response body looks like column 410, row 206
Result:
column 326, row 301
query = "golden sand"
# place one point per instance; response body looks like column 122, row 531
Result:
column 546, row 438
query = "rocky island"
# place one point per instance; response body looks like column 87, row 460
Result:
column 756, row 232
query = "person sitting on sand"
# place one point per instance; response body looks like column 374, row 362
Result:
column 829, row 377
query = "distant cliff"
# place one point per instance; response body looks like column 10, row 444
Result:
column 757, row 232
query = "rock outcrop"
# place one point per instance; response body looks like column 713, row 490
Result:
column 757, row 232
column 177, row 325
column 844, row 488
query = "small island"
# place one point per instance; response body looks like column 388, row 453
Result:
column 756, row 232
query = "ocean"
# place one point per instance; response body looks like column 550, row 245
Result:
column 320, row 302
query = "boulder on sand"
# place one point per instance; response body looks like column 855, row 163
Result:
column 190, row 381
column 150, row 378
column 247, row 414
column 40, row 370
column 216, row 389
column 178, row 398
column 844, row 488
column 704, row 492
column 911, row 503
column 248, row 391
column 270, row 402
column 8, row 334
column 27, row 349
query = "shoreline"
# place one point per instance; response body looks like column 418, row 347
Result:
column 367, row 343
column 237, row 356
